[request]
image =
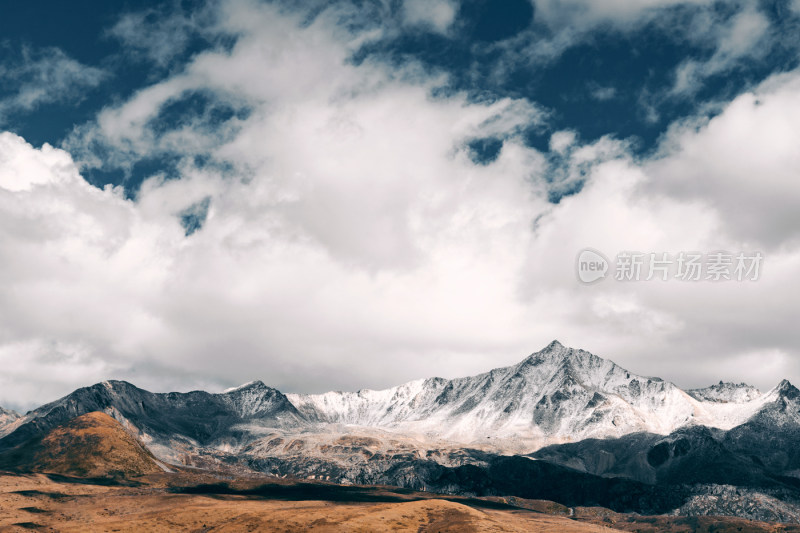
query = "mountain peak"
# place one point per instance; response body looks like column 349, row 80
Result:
column 787, row 390
column 556, row 352
column 554, row 345
column 250, row 385
column 725, row 392
column 552, row 351
column 116, row 385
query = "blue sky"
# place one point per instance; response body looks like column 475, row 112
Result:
column 293, row 188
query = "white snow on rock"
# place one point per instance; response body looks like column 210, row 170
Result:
column 9, row 420
column 726, row 393
column 556, row 395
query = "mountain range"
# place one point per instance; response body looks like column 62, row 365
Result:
column 563, row 424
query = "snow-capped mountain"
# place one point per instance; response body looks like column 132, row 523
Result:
column 555, row 395
column 558, row 394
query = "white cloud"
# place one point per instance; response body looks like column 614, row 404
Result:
column 355, row 223
column 561, row 141
column 726, row 183
column 743, row 163
column 583, row 13
column 160, row 35
column 21, row 167
column 741, row 37
column 438, row 14
column 353, row 243
column 44, row 76
column 602, row 94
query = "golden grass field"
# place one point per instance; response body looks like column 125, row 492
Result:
column 37, row 502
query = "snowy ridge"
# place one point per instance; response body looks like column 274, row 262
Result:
column 240, row 387
column 9, row 420
column 556, row 395
column 726, row 393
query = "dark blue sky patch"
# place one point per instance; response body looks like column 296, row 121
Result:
column 51, row 122
column 76, row 27
column 558, row 193
column 563, row 177
column 165, row 166
column 625, row 67
column 198, row 108
column 100, row 177
column 193, row 217
column 494, row 20
column 484, row 151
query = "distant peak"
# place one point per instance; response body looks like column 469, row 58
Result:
column 555, row 351
column 114, row 384
column 727, row 385
column 8, row 412
column 725, row 392
column 257, row 384
column 555, row 345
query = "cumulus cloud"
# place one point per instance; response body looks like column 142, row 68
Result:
column 21, row 167
column 742, row 162
column 351, row 222
column 349, row 240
